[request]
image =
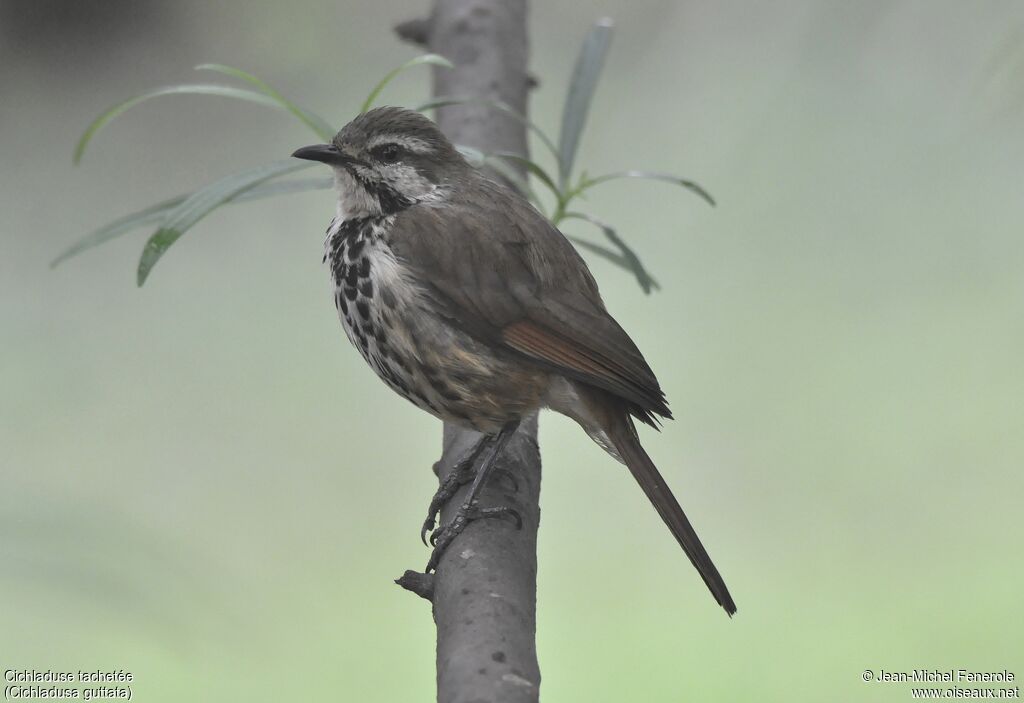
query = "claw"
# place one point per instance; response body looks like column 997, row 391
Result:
column 501, row 511
column 461, row 474
column 443, row 495
column 428, row 525
column 443, row 536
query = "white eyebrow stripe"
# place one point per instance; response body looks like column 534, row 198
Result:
column 413, row 144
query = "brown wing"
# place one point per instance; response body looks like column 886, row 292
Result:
column 500, row 271
column 586, row 365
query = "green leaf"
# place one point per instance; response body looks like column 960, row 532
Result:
column 651, row 175
column 319, row 125
column 155, row 213
column 499, row 105
column 269, row 190
column 603, row 252
column 479, row 159
column 534, row 168
column 581, row 91
column 201, row 203
column 628, row 258
column 122, row 225
column 435, row 59
column 515, row 177
column 473, row 155
column 197, row 89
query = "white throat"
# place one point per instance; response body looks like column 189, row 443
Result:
column 353, row 200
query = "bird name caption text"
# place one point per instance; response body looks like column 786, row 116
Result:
column 79, row 684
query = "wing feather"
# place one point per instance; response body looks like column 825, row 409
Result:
column 496, row 268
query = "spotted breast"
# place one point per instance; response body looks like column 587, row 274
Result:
column 367, row 287
column 391, row 320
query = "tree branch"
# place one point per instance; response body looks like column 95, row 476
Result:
column 484, row 592
column 415, row 31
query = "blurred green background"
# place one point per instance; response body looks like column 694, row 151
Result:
column 202, row 483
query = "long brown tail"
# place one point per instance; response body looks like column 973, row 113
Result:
column 623, row 435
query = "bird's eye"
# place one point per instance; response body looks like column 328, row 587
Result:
column 388, row 153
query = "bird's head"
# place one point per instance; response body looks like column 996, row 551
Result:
column 386, row 160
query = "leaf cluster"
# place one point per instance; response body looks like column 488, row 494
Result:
column 176, row 216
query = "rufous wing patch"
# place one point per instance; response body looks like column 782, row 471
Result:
column 580, row 361
column 531, row 339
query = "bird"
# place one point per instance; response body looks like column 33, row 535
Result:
column 468, row 302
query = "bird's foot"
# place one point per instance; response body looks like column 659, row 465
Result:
column 462, row 473
column 442, row 537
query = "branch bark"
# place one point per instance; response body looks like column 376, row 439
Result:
column 484, row 592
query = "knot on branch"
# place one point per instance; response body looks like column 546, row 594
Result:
column 418, row 583
column 415, row 31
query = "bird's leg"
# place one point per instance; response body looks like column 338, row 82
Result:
column 460, row 475
column 469, row 511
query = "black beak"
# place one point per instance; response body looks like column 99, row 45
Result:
column 324, row 153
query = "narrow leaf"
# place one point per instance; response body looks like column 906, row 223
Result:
column 581, row 91
column 318, row 124
column 201, row 203
column 654, row 176
column 473, row 155
column 435, row 59
column 197, row 89
column 122, row 225
column 515, row 177
column 155, row 213
column 629, row 260
column 479, row 159
column 603, row 252
column 269, row 190
column 534, row 168
column 499, row 105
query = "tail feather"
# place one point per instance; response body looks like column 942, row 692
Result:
column 623, row 435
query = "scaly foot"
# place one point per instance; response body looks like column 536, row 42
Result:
column 462, row 473
column 467, row 513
